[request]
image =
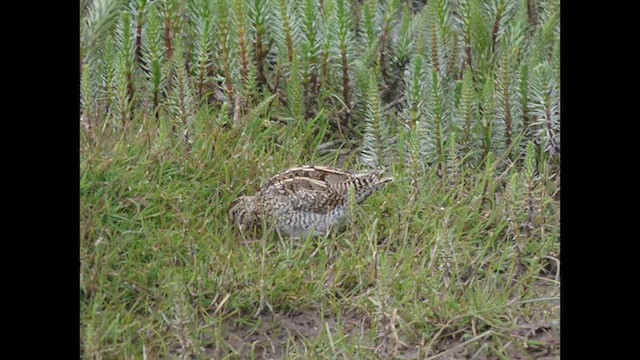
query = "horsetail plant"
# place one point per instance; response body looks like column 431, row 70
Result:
column 443, row 14
column 369, row 22
column 123, row 100
column 467, row 108
column 259, row 14
column 403, row 49
column 284, row 29
column 374, row 146
column 414, row 112
column 126, row 56
column 343, row 26
column 389, row 16
column 138, row 9
column 415, row 92
column 326, row 77
column 530, row 182
column 101, row 17
column 311, row 34
column 361, row 88
column 203, row 42
column 488, row 114
column 170, row 12
column 545, row 106
column 250, row 90
column 507, row 96
column 241, row 25
column 438, row 104
column 153, row 57
column 434, row 44
column 453, row 163
column 453, row 53
column 281, row 60
column 549, row 32
column 514, row 217
column 464, row 26
column 498, row 11
column 532, row 12
column 88, row 92
column 181, row 99
column 437, row 116
column 516, row 33
column 295, row 96
column 474, row 67
column 108, row 73
column 481, row 50
column 224, row 41
column 488, row 184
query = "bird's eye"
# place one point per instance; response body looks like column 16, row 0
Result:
column 233, row 213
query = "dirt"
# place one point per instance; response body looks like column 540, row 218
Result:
column 274, row 333
column 271, row 335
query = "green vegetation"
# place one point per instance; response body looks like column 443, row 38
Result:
column 188, row 104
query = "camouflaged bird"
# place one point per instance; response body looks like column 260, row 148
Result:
column 302, row 201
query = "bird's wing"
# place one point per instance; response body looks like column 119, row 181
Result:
column 306, row 194
column 324, row 174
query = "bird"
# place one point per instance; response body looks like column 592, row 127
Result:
column 305, row 200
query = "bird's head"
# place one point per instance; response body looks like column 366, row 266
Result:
column 243, row 212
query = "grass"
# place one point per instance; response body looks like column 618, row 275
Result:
column 164, row 275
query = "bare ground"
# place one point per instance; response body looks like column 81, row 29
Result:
column 271, row 335
column 538, row 340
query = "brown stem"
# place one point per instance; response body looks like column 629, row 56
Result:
column 155, row 105
column 123, row 112
column 139, row 40
column 168, row 48
column 314, row 82
column 130, row 89
column 530, row 211
column 507, row 103
column 434, row 47
column 467, row 125
column 262, row 78
column 454, row 58
column 345, row 85
column 325, row 67
column 201, row 81
column 227, row 77
column 531, row 11
column 467, row 46
column 187, row 58
column 439, row 143
column 345, row 90
column 276, row 78
column 90, row 122
column 182, row 103
column 287, row 30
column 355, row 8
column 243, row 49
column 167, row 38
column 496, row 26
column 507, row 117
column 383, row 40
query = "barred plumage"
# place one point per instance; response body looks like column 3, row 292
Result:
column 304, row 200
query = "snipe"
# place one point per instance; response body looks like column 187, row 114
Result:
column 304, row 200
